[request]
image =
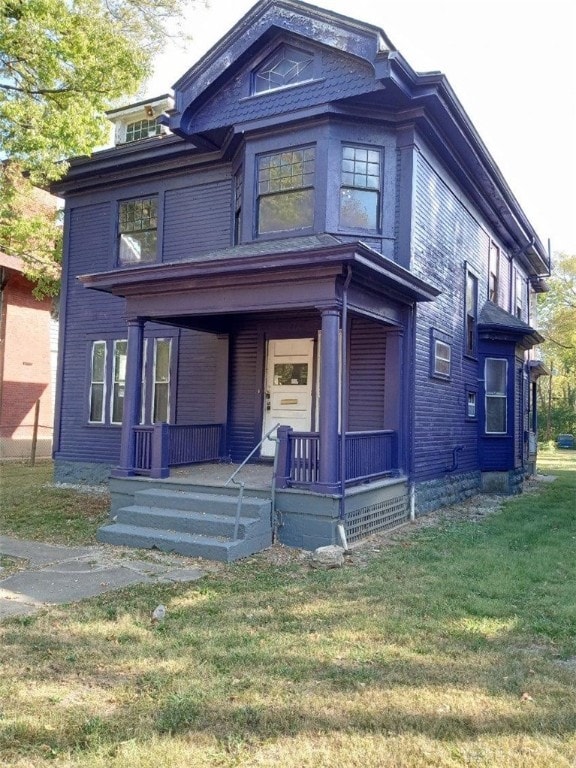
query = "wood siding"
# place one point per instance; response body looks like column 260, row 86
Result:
column 197, row 220
column 367, row 358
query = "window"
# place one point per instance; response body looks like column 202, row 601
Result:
column 137, row 226
column 118, row 381
column 286, row 190
column 161, row 377
column 470, row 404
column 442, row 354
column 97, row 381
column 142, row 129
column 519, row 295
column 108, row 375
column 287, row 66
column 471, row 313
column 238, row 190
column 493, row 273
column 360, row 188
column 495, row 375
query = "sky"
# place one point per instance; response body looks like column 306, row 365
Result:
column 511, row 64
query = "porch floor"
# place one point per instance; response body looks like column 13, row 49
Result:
column 257, row 476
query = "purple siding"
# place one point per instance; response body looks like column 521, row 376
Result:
column 245, row 405
column 196, row 220
column 367, row 359
column 197, row 374
column 90, row 316
column 446, row 237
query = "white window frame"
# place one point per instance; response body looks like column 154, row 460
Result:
column 442, row 360
column 95, row 382
column 118, row 381
column 156, row 382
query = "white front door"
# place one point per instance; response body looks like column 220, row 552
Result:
column 288, row 394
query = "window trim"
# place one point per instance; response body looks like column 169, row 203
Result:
column 377, row 190
column 439, row 339
column 471, row 392
column 121, row 382
column 154, row 381
column 124, row 263
column 260, row 196
column 489, row 396
column 278, row 54
column 471, row 315
column 493, row 273
column 103, row 383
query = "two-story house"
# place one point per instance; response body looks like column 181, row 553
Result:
column 320, row 241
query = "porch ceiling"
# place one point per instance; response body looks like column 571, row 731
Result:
column 285, row 274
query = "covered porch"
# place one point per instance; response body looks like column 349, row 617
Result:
column 351, row 308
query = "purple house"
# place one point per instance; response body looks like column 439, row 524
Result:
column 309, row 260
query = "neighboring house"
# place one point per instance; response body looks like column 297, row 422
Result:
column 27, row 365
column 323, row 241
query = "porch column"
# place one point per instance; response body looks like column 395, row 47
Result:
column 132, row 397
column 328, row 412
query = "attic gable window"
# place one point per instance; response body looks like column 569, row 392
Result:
column 142, row 129
column 287, row 66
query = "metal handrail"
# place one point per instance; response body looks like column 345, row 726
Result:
column 232, row 479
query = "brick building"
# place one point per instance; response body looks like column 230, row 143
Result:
column 27, row 361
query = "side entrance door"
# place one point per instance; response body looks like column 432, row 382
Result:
column 288, row 393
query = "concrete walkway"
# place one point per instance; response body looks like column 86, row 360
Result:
column 54, row 574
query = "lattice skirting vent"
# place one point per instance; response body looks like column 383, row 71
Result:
column 377, row 517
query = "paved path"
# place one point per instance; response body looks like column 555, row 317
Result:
column 55, row 574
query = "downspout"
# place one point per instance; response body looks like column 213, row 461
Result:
column 344, row 406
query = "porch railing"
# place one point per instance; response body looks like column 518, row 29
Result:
column 161, row 446
column 369, row 455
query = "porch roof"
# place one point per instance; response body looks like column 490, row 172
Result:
column 285, row 258
column 495, row 321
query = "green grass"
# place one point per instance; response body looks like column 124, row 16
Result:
column 32, row 508
column 456, row 647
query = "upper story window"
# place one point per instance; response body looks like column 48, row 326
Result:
column 494, row 273
column 137, row 231
column 285, row 198
column 286, row 66
column 471, row 312
column 238, row 194
column 142, row 129
column 519, row 288
column 360, row 188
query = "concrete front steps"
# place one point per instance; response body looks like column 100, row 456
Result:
column 192, row 523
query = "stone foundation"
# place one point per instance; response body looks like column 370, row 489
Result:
column 509, row 483
column 81, row 473
column 445, row 491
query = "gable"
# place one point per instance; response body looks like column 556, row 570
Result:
column 333, row 76
column 262, row 29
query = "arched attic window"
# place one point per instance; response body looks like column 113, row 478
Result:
column 286, row 66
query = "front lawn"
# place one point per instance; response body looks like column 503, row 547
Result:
column 456, row 646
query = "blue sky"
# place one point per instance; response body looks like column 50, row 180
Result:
column 510, row 62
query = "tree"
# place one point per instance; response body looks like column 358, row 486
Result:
column 557, row 313
column 63, row 63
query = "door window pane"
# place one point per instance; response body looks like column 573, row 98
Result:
column 290, row 374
